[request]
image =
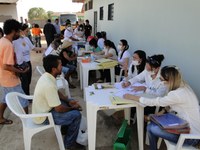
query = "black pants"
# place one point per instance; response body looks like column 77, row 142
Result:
column 105, row 74
column 49, row 40
column 26, row 79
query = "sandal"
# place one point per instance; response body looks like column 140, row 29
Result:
column 6, row 122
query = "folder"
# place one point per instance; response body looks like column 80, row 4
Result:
column 169, row 121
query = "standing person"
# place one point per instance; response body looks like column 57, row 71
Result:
column 36, row 31
column 79, row 32
column 88, row 29
column 9, row 81
column 22, row 48
column 68, row 33
column 29, row 32
column 47, row 98
column 57, row 26
column 1, row 33
column 49, row 32
column 180, row 99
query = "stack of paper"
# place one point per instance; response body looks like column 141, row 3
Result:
column 115, row 100
column 102, row 85
column 106, row 63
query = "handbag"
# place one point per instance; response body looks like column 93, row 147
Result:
column 82, row 137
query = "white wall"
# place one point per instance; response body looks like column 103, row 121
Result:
column 7, row 12
column 170, row 27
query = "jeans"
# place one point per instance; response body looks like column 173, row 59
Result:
column 37, row 41
column 65, row 70
column 71, row 119
column 154, row 132
column 71, row 67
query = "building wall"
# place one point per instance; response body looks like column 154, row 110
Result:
column 157, row 26
column 7, row 12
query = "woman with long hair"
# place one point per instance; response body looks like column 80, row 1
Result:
column 180, row 99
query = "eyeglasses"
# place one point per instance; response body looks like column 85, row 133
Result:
column 153, row 61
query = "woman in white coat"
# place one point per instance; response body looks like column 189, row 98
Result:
column 180, row 99
column 137, row 65
column 150, row 77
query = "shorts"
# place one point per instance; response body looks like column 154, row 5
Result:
column 17, row 88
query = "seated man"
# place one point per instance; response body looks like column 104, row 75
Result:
column 47, row 98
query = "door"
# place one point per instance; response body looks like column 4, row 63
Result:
column 95, row 22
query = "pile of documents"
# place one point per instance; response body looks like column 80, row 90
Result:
column 171, row 123
column 106, row 63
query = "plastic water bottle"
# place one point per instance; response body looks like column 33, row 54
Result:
column 92, row 57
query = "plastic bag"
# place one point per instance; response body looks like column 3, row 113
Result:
column 82, row 137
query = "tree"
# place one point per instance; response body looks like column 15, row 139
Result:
column 37, row 13
column 49, row 14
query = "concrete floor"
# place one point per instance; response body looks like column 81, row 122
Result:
column 11, row 136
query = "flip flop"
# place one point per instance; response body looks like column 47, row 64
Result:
column 6, row 122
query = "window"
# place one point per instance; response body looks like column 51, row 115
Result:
column 101, row 13
column 110, row 11
column 90, row 4
column 86, row 6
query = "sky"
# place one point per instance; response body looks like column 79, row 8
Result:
column 23, row 6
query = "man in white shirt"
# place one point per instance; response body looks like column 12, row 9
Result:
column 47, row 98
column 68, row 34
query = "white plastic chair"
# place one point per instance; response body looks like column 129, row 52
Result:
column 118, row 77
column 179, row 145
column 29, row 127
column 61, row 82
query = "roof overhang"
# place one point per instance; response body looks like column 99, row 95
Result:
column 8, row 1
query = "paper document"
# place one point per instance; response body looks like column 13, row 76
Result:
column 115, row 100
column 103, row 60
column 127, row 90
column 102, row 85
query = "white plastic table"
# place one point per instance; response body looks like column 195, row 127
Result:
column 99, row 100
column 84, row 72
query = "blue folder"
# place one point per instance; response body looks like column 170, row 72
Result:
column 169, row 121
